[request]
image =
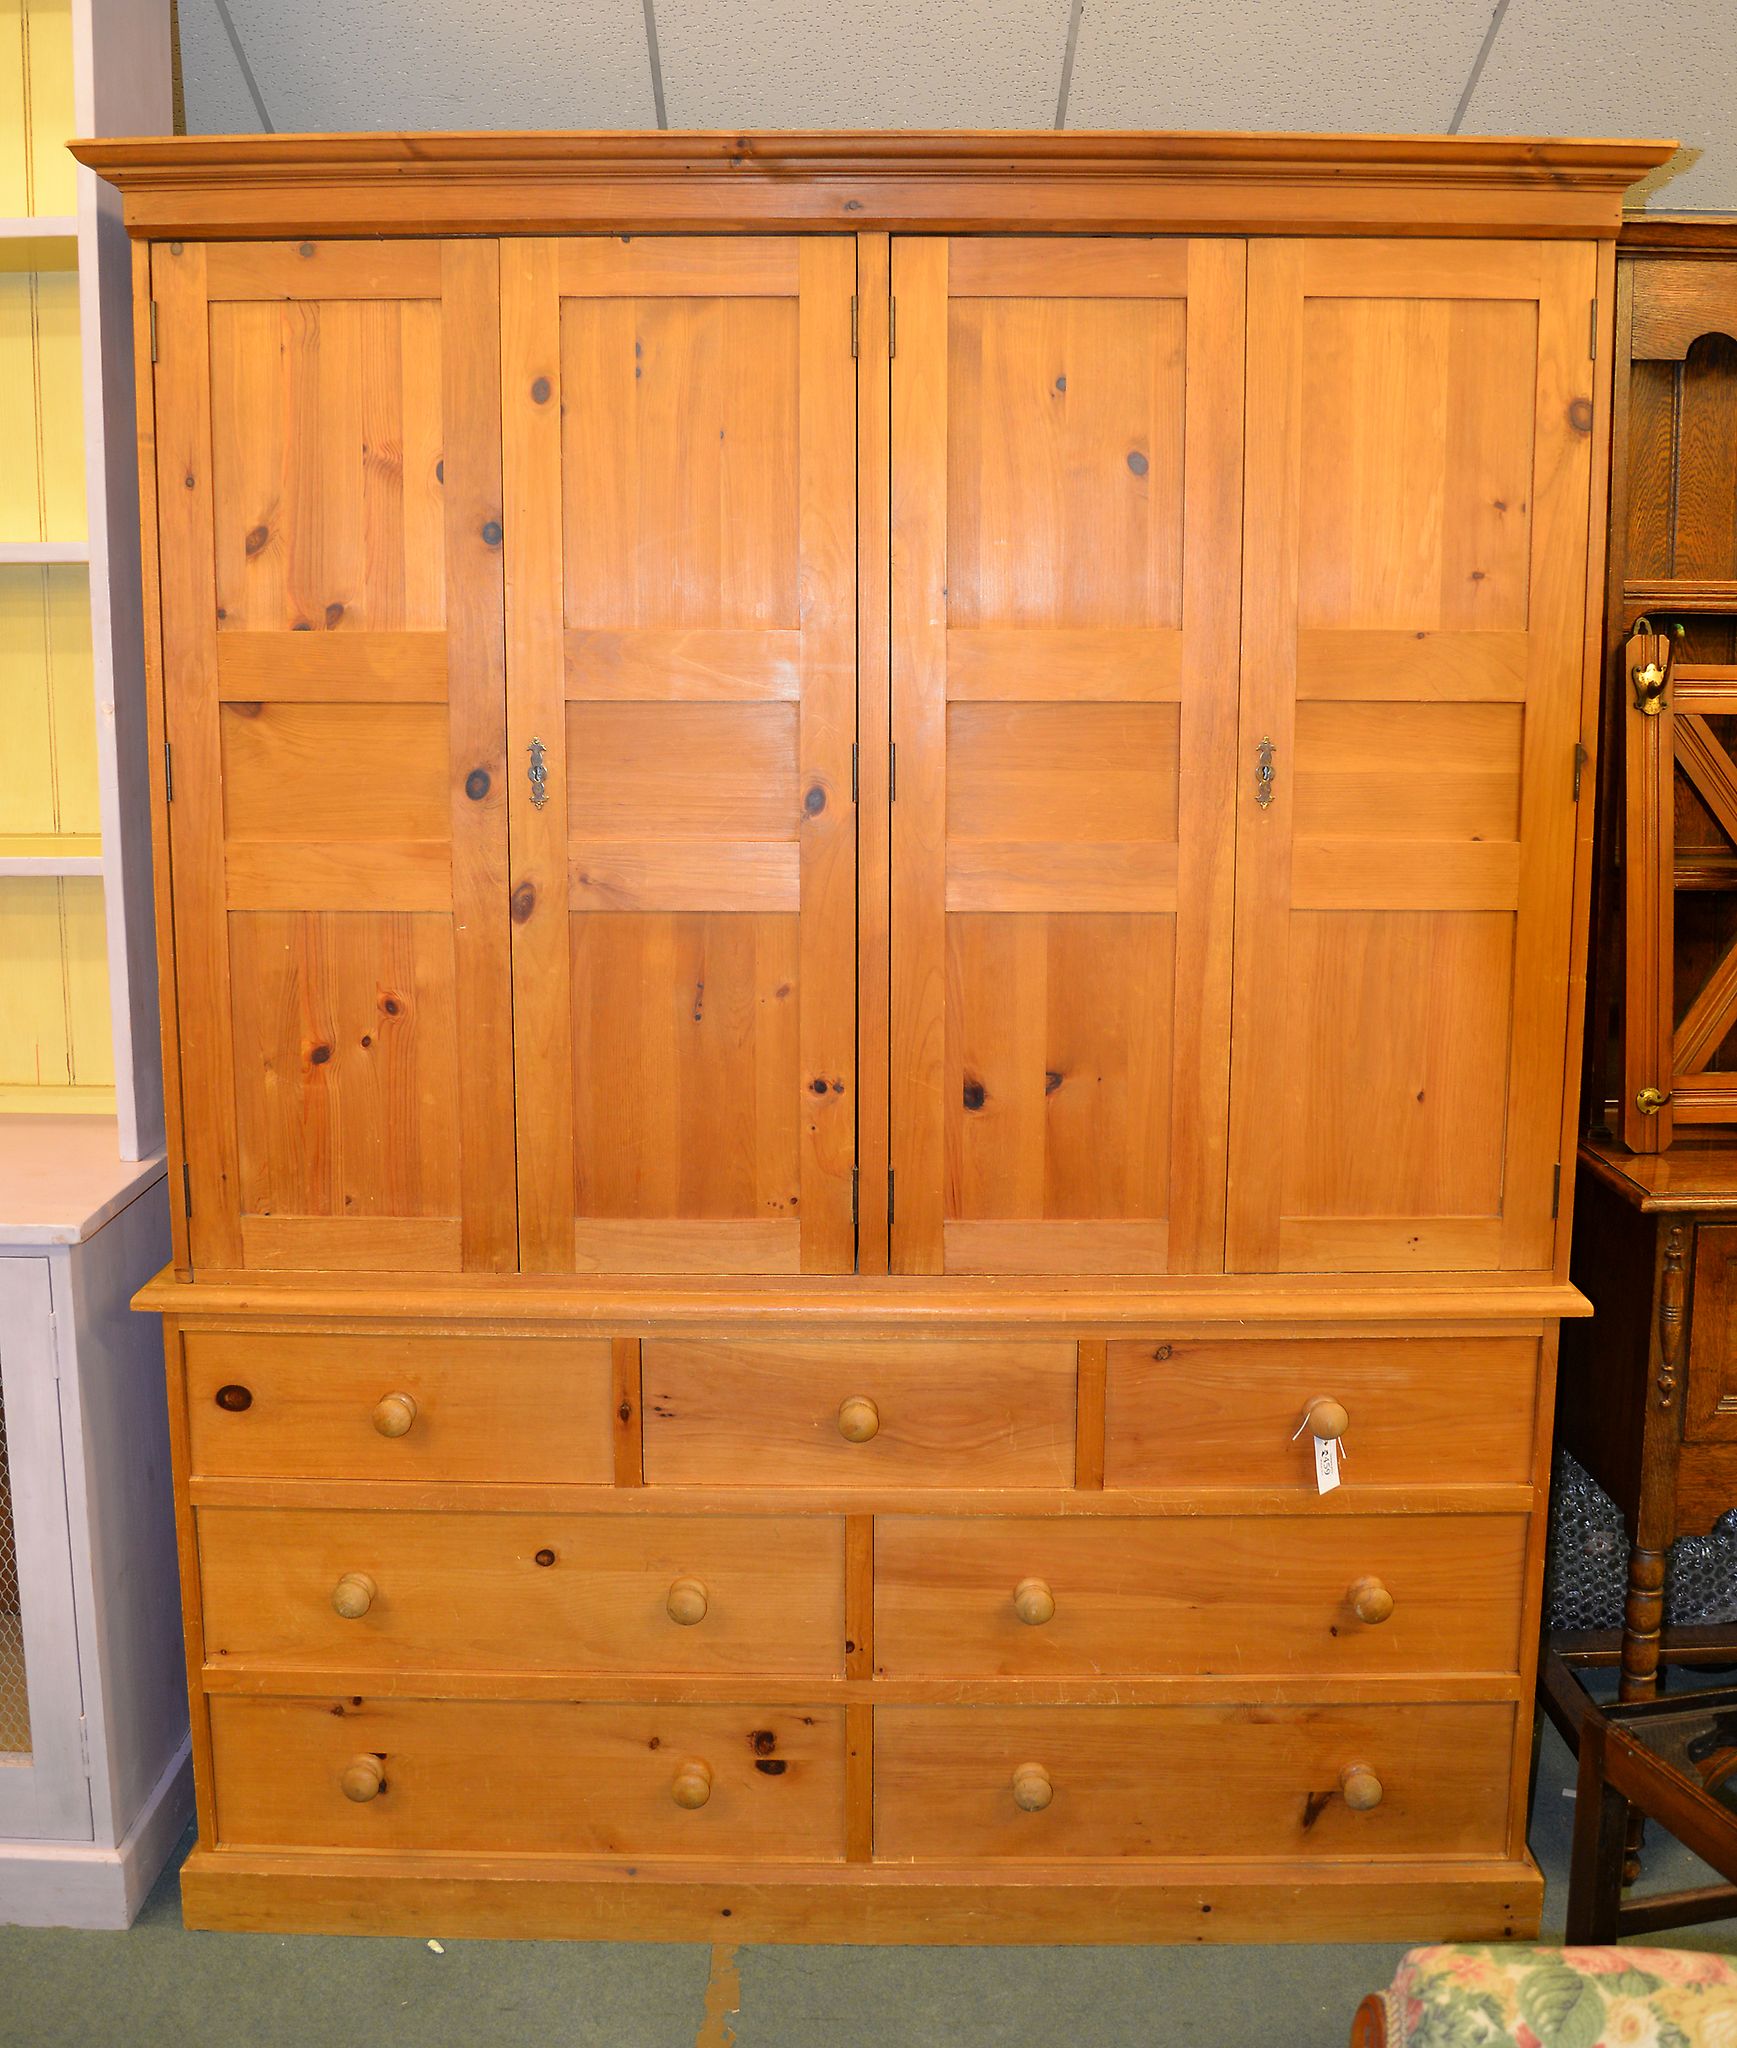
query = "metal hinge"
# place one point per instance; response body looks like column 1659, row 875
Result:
column 892, row 327
column 853, row 771
column 1556, row 1189
column 853, row 332
column 853, row 1198
column 186, row 1189
column 54, row 1343
column 84, row 1744
column 1592, row 339
column 168, row 772
column 889, row 1198
column 892, row 775
column 1580, row 759
column 153, row 330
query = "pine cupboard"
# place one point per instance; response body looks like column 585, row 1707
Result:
column 872, row 885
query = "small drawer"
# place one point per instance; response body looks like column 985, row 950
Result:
column 530, row 1778
column 898, row 1414
column 397, row 1590
column 1231, row 1411
column 1102, row 1783
column 274, row 1406
column 1108, row 1597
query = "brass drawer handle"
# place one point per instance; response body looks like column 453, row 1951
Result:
column 1032, row 1790
column 363, row 1778
column 687, row 1602
column 1361, row 1787
column 1370, row 1601
column 1033, row 1602
column 692, row 1784
column 858, row 1419
column 394, row 1414
column 353, row 1595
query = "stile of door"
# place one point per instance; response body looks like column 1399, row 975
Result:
column 1067, row 453
column 1419, row 466
column 680, row 448
column 329, row 508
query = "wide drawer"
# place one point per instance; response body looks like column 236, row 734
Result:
column 765, row 1783
column 1229, row 1412
column 896, row 1414
column 1216, row 1783
column 396, row 1590
column 289, row 1406
column 1040, row 1597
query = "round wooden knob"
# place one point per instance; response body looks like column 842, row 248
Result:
column 1033, row 1602
column 858, row 1419
column 692, row 1785
column 1327, row 1418
column 687, row 1602
column 363, row 1778
column 1370, row 1600
column 1361, row 1787
column 353, row 1595
column 394, row 1413
column 1032, row 1790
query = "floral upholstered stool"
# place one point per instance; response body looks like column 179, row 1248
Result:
column 1518, row 1997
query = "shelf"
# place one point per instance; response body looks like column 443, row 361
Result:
column 1680, row 595
column 16, row 554
column 44, row 241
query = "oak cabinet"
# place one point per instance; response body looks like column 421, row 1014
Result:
column 871, row 897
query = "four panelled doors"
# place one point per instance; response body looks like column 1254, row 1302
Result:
column 510, row 636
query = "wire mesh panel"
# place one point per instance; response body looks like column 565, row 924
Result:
column 14, row 1696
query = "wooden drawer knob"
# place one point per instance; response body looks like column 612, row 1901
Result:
column 1032, row 1790
column 1033, row 1602
column 1327, row 1418
column 692, row 1784
column 394, row 1413
column 687, row 1602
column 1370, row 1600
column 363, row 1778
column 353, row 1595
column 858, row 1419
column 1361, row 1787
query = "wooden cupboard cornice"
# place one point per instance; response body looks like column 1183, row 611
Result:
column 485, row 183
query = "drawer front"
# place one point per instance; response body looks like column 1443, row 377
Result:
column 500, row 1592
column 530, row 1779
column 1181, row 1782
column 1227, row 1411
column 898, row 1414
column 276, row 1406
column 1048, row 1597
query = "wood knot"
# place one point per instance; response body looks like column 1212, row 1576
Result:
column 476, row 784
column 524, row 902
column 1580, row 415
column 976, row 1095
column 540, row 391
column 257, row 539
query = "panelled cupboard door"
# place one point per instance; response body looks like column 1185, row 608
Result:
column 680, row 447
column 1067, row 456
column 1415, row 547
column 328, row 487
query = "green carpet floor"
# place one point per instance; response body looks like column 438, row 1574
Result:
column 159, row 1984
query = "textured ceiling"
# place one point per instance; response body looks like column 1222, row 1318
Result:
column 1549, row 67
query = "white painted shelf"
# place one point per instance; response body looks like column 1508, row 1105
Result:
column 43, row 553
column 38, row 241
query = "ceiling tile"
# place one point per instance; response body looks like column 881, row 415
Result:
column 212, row 86
column 1612, row 67
column 331, row 64
column 861, row 63
column 1367, row 66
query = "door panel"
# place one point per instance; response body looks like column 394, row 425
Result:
column 1419, row 442
column 329, row 499
column 1066, row 512
column 680, row 451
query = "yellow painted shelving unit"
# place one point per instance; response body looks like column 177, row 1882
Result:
column 61, row 814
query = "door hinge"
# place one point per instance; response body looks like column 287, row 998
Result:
column 1580, row 760
column 892, row 327
column 153, row 330
column 1592, row 338
column 853, row 329
column 168, row 773
column 889, row 1198
column 853, row 771
column 84, row 1744
column 892, row 775
column 54, row 1343
column 186, row 1189
column 1556, row 1189
column 853, row 1172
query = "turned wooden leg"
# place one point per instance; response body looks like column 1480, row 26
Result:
column 1643, row 1616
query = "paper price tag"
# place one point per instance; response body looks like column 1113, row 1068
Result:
column 1326, row 1463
